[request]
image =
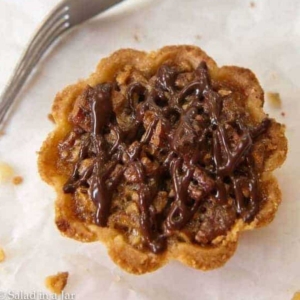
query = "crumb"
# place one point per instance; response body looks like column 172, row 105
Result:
column 252, row 4
column 2, row 255
column 283, row 113
column 136, row 37
column 56, row 283
column 274, row 99
column 6, row 172
column 17, row 180
column 296, row 296
column 198, row 37
column 51, row 118
column 224, row 92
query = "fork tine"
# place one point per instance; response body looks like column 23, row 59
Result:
column 50, row 39
column 56, row 19
column 39, row 42
column 57, row 15
column 40, row 48
column 30, row 59
column 40, row 37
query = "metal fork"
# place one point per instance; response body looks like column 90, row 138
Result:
column 64, row 16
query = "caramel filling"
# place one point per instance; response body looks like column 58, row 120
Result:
column 184, row 150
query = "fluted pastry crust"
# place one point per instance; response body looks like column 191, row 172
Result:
column 129, row 258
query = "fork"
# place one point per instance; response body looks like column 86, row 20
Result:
column 64, row 16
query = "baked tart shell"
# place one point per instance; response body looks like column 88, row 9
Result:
column 126, row 256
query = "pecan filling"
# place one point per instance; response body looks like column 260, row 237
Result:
column 172, row 145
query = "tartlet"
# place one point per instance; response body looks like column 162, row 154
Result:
column 161, row 156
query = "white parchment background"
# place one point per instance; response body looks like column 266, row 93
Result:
column 264, row 38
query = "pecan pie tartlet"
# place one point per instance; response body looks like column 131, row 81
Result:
column 161, row 156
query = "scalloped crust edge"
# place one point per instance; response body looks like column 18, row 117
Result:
column 123, row 254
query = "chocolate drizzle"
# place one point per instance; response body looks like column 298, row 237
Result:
column 199, row 156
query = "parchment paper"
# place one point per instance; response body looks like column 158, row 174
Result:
column 262, row 35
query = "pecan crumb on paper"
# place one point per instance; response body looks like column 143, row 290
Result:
column 274, row 99
column 17, row 180
column 56, row 283
column 2, row 255
column 6, row 172
column 51, row 118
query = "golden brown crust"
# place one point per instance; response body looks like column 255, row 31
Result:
column 121, row 252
